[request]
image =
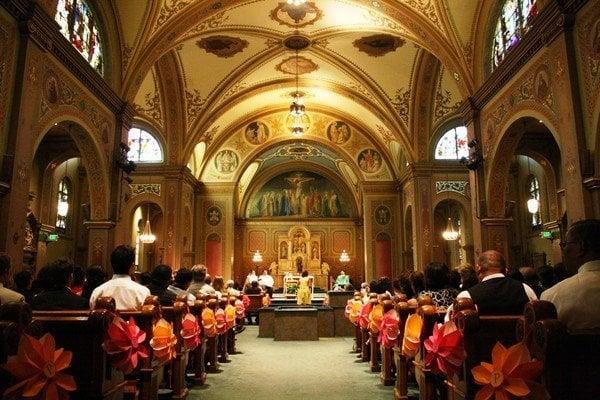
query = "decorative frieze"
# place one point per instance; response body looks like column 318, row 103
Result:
column 142, row 188
column 451, row 186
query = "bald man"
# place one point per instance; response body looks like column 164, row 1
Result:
column 496, row 294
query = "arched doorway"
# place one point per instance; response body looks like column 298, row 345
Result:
column 147, row 254
column 449, row 213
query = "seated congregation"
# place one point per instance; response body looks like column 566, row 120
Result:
column 86, row 336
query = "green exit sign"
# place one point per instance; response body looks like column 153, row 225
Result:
column 546, row 235
column 52, row 237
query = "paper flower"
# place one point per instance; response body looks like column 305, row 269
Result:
column 356, row 305
column 266, row 301
column 220, row 321
column 124, row 344
column 363, row 319
column 412, row 335
column 375, row 317
column 246, row 301
column 445, row 351
column 37, row 366
column 190, row 331
column 389, row 329
column 209, row 323
column 510, row 374
column 163, row 340
column 240, row 310
column 230, row 316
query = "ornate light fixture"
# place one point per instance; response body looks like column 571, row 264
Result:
column 344, row 257
column 257, row 257
column 450, row 233
column 147, row 236
column 533, row 204
column 296, row 3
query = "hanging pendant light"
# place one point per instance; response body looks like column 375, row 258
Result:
column 344, row 257
column 533, row 204
column 147, row 236
column 257, row 257
column 450, row 233
column 297, row 118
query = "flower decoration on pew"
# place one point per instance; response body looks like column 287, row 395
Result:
column 39, row 369
column 375, row 317
column 363, row 319
column 163, row 340
column 445, row 350
column 230, row 316
column 220, row 321
column 389, row 329
column 209, row 323
column 124, row 345
column 266, row 301
column 412, row 335
column 190, row 331
column 246, row 301
column 510, row 375
column 354, row 312
column 240, row 310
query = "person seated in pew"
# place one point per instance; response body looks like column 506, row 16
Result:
column 437, row 285
column 128, row 294
column 77, row 280
column 7, row 295
column 22, row 281
column 161, row 279
column 199, row 286
column 183, row 279
column 94, row 277
column 219, row 285
column 496, row 294
column 253, row 288
column 576, row 298
column 230, row 288
column 530, row 277
column 58, row 296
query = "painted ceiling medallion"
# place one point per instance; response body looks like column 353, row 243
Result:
column 288, row 66
column 296, row 16
column 222, row 46
column 378, row 45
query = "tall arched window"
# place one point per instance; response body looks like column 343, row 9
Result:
column 79, row 25
column 452, row 145
column 143, row 147
column 534, row 193
column 63, row 203
column 513, row 23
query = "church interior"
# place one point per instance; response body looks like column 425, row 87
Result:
column 364, row 137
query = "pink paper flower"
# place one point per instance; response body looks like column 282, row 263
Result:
column 445, row 351
column 190, row 331
column 389, row 329
column 124, row 344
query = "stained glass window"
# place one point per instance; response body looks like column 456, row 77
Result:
column 515, row 17
column 452, row 145
column 143, row 147
column 534, row 193
column 79, row 26
column 62, row 205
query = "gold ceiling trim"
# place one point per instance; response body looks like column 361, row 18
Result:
column 378, row 45
column 223, row 46
column 296, row 16
column 300, row 65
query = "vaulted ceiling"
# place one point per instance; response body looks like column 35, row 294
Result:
column 392, row 72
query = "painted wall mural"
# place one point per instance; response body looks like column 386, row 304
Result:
column 256, row 132
column 299, row 194
column 369, row 160
column 226, row 161
column 338, row 132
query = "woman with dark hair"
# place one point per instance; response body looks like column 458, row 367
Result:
column 219, row 285
column 95, row 276
column 437, row 285
column 417, row 283
column 468, row 277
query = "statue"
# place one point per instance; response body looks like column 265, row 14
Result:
column 325, row 268
column 274, row 268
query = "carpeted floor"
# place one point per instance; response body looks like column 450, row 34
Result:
column 266, row 369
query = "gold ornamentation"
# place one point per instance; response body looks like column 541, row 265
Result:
column 296, row 16
column 378, row 45
column 170, row 8
column 222, row 46
column 401, row 103
column 301, row 64
column 194, row 105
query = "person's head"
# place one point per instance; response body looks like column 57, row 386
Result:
column 121, row 259
column 94, row 277
column 44, row 280
column 436, row 276
column 198, row 273
column 60, row 273
column 417, row 282
column 22, row 279
column 581, row 244
column 342, row 273
column 78, row 275
column 183, row 278
column 145, row 278
column 490, row 262
column 162, row 275
column 254, row 284
column 304, row 274
column 265, row 272
column 4, row 267
column 468, row 277
column 455, row 279
column 218, row 283
column 529, row 276
column 230, row 284
column 208, row 279
column 384, row 284
column 546, row 276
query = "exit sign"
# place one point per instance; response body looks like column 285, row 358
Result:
column 546, row 235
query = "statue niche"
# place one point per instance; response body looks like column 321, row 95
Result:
column 300, row 250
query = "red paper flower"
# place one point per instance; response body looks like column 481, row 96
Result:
column 240, row 310
column 220, row 321
column 190, row 331
column 38, row 367
column 124, row 344
column 163, row 340
column 412, row 335
column 445, row 351
column 246, row 301
column 363, row 319
column 510, row 374
column 209, row 323
column 389, row 329
column 230, row 316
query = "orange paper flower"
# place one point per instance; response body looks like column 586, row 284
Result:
column 38, row 366
column 230, row 316
column 124, row 344
column 445, row 351
column 190, row 331
column 163, row 340
column 354, row 312
column 509, row 375
column 412, row 335
column 209, row 323
column 375, row 317
column 389, row 329
column 266, row 301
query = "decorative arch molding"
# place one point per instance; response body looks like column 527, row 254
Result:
column 549, row 184
column 465, row 205
column 277, row 170
column 132, row 205
column 91, row 154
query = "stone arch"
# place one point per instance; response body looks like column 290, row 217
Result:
column 129, row 211
column 91, row 154
column 465, row 207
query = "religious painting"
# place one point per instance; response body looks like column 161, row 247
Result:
column 542, row 84
column 595, row 39
column 315, row 250
column 338, row 132
column 283, row 250
column 369, row 160
column 256, row 132
column 299, row 194
column 222, row 46
column 294, row 64
column 378, row 45
column 296, row 16
column 226, row 161
column 51, row 89
column 213, row 215
column 383, row 215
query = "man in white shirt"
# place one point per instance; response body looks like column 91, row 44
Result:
column 267, row 282
column 128, row 295
column 576, row 298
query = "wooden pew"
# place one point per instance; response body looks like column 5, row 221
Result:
column 387, row 354
column 425, row 379
column 402, row 362
column 256, row 303
column 211, row 355
column 147, row 377
column 82, row 333
column 222, row 336
column 200, row 351
column 571, row 367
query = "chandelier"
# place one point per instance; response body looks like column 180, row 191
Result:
column 257, row 257
column 450, row 233
column 533, row 204
column 147, row 236
column 344, row 257
column 296, row 3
